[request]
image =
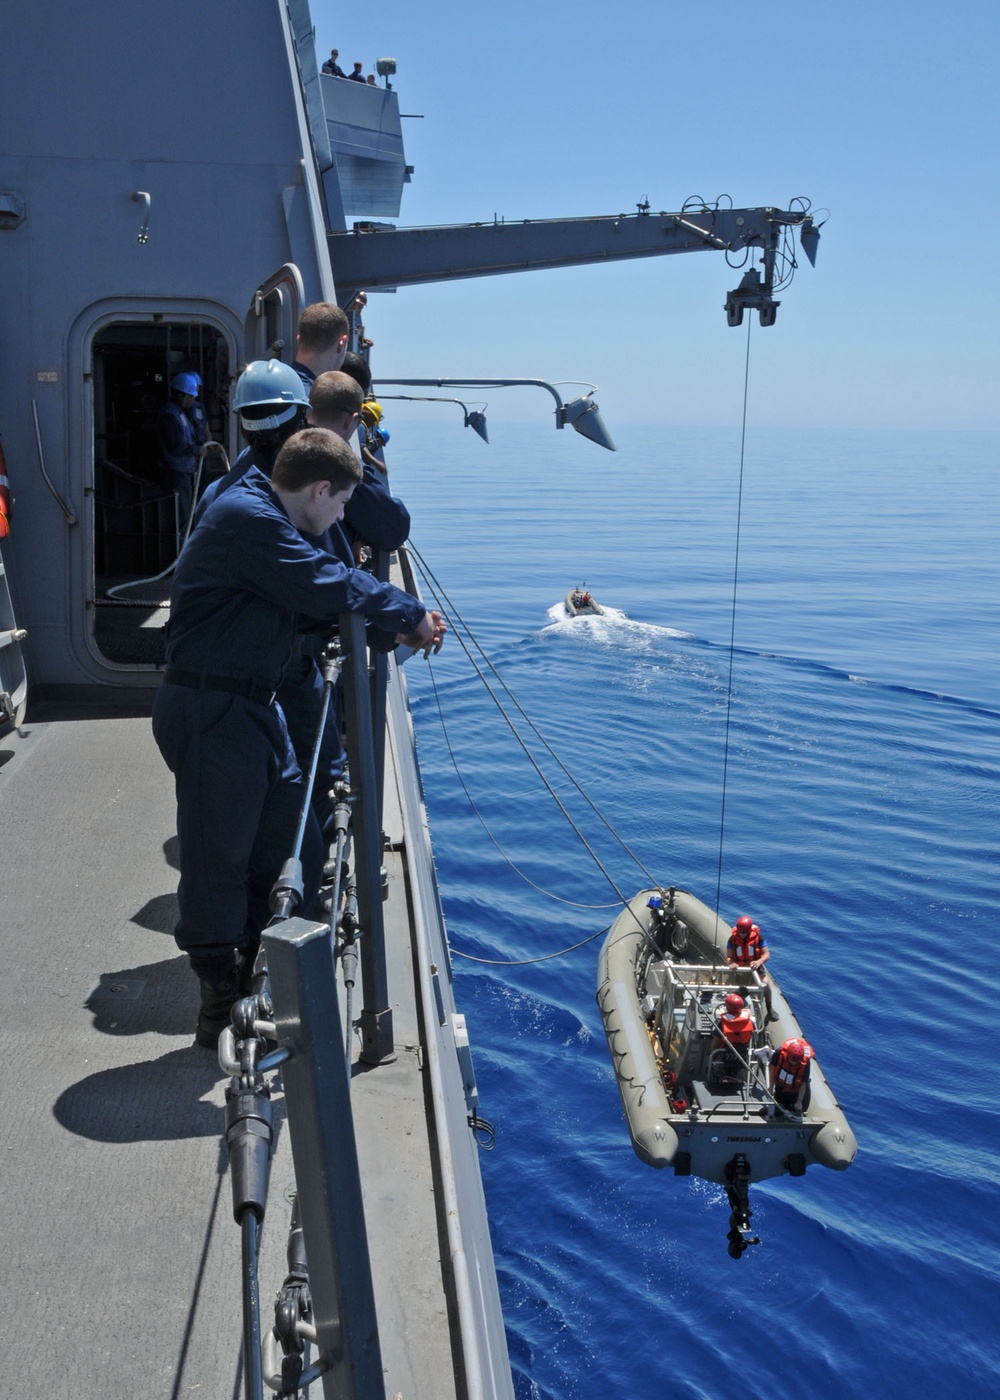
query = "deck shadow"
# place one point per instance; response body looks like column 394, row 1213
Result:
column 150, row 1101
column 160, row 997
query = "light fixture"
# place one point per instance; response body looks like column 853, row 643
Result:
column 581, row 413
column 584, row 415
column 474, row 418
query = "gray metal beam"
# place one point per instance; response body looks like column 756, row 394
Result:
column 372, row 256
column 376, row 1013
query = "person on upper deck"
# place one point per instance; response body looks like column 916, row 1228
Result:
column 790, row 1075
column 246, row 575
column 358, row 76
column 322, row 341
column 747, row 947
column 331, row 67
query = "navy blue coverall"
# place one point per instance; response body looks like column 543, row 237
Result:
column 178, row 442
column 380, row 520
column 243, row 580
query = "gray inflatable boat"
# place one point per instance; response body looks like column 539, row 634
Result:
column 579, row 603
column 692, row 1101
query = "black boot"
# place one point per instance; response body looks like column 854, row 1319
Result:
column 246, row 958
column 220, row 987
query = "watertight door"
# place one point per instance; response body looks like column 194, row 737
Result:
column 271, row 324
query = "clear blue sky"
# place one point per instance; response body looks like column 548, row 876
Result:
column 883, row 113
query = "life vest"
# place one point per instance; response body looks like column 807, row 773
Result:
column 4, row 498
column 789, row 1077
column 744, row 951
column 738, row 1029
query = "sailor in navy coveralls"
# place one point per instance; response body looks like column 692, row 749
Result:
column 243, row 579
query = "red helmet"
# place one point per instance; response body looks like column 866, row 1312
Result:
column 734, row 1003
column 744, row 923
column 796, row 1049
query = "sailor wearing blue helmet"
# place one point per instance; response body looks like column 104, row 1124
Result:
column 180, row 448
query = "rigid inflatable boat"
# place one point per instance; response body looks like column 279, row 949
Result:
column 692, row 1100
column 579, row 603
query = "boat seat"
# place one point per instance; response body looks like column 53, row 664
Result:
column 706, row 1099
column 725, row 1064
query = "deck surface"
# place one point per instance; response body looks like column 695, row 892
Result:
column 121, row 1255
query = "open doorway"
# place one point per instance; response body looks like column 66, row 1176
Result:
column 137, row 529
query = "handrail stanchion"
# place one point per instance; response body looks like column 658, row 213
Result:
column 379, row 683
column 324, row 1152
column 376, row 1014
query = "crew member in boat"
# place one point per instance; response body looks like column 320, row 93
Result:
column 322, row 341
column 736, row 1031
column 736, row 1024
column 247, row 573
column 790, row 1075
column 747, row 947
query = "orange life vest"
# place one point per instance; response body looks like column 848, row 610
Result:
column 4, row 498
column 744, row 951
column 789, row 1077
column 738, row 1029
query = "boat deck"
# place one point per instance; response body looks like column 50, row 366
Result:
column 122, row 1259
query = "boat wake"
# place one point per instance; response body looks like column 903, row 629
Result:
column 610, row 622
column 615, row 627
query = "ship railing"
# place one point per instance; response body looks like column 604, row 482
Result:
column 296, row 1007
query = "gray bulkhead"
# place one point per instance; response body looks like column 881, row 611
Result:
column 157, row 169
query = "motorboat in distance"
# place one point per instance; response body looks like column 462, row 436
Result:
column 579, row 603
column 693, row 1100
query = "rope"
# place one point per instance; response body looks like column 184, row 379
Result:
column 441, row 594
column 142, row 582
column 732, row 625
column 472, row 803
column 527, row 962
column 453, row 613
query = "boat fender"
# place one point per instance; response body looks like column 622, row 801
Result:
column 834, row 1145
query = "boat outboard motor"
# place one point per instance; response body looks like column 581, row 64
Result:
column 737, row 1189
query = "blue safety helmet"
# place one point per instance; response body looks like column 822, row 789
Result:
column 266, row 382
column 186, row 384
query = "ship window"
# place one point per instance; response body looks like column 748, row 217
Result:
column 135, row 519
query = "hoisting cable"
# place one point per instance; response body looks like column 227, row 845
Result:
column 441, row 594
column 732, row 624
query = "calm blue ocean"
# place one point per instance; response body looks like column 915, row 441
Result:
column 860, row 831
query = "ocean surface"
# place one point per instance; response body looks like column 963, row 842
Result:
column 861, row 832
